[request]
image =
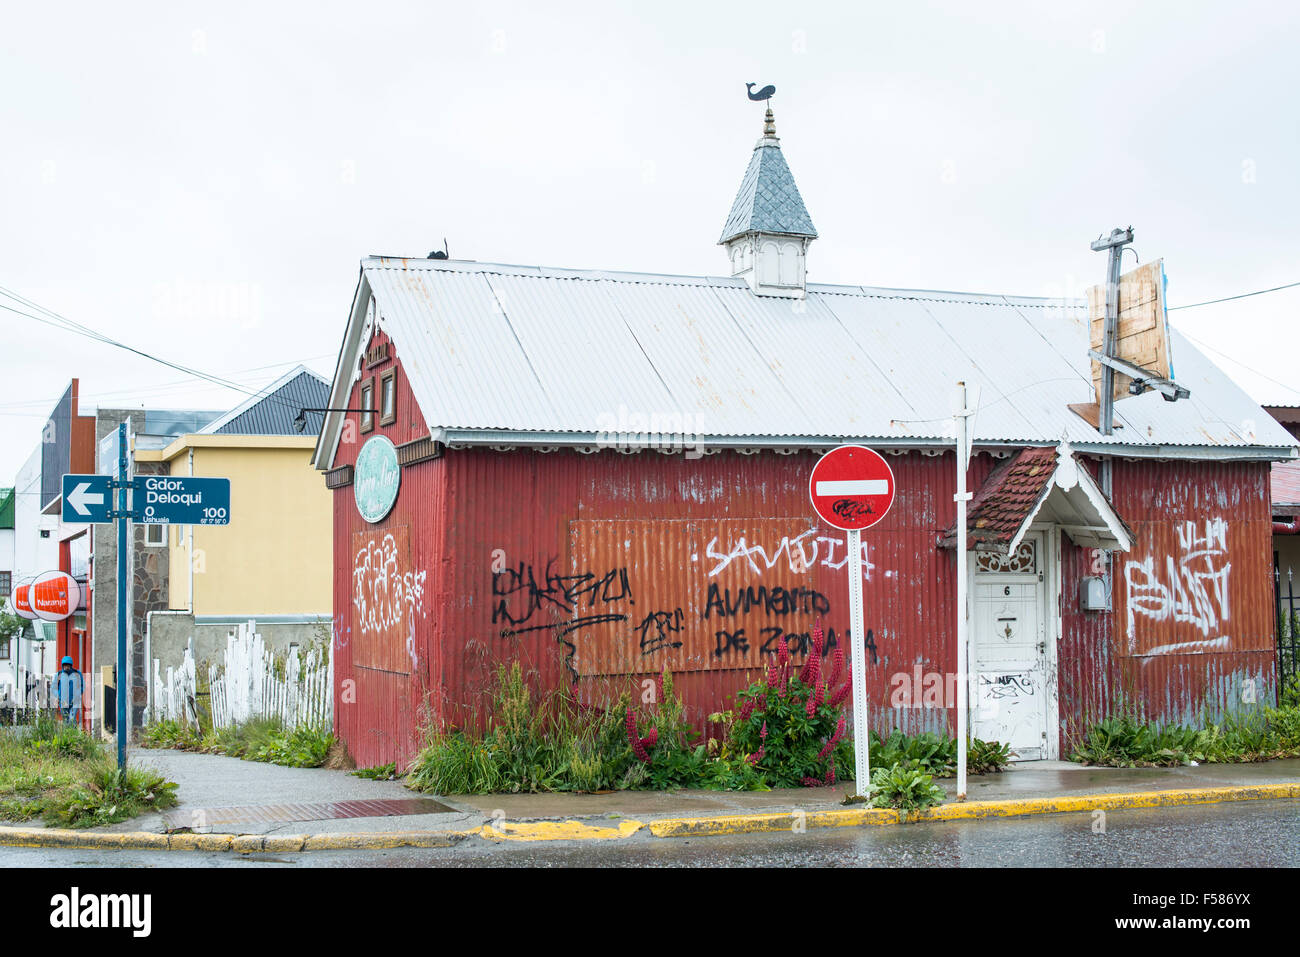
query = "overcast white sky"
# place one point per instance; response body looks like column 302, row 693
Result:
column 200, row 180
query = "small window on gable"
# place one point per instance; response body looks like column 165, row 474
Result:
column 388, row 397
column 368, row 403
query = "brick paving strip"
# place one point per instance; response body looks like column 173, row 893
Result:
column 202, row 819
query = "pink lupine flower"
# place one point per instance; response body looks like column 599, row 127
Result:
column 746, row 710
column 835, row 738
column 818, row 696
column 638, row 745
column 830, row 774
column 817, row 637
column 812, row 668
column 782, row 650
column 763, row 733
column 773, row 675
column 757, row 755
column 837, row 672
column 843, row 691
column 811, row 783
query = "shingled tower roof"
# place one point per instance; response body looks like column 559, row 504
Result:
column 769, row 200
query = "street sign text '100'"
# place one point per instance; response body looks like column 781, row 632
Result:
column 181, row 500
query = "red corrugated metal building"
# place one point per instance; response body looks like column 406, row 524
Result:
column 605, row 474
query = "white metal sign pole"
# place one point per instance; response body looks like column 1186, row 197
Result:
column 861, row 749
column 963, row 669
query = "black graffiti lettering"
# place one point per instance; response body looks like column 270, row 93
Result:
column 771, row 601
column 726, row 642
column 798, row 642
column 519, row 596
column 657, row 630
column 851, row 510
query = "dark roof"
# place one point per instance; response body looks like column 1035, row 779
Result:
column 1006, row 498
column 273, row 413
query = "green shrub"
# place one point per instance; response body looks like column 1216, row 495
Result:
column 1125, row 741
column 380, row 772
column 905, row 787
column 108, row 796
column 791, row 727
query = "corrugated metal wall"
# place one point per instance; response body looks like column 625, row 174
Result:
column 598, row 569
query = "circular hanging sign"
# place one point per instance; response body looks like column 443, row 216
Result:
column 22, row 600
column 54, row 596
column 377, row 478
column 851, row 487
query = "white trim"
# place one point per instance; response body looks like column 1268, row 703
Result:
column 1090, row 489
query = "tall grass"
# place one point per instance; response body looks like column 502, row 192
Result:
column 65, row 776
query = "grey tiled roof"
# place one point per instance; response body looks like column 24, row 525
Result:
column 768, row 201
column 273, row 414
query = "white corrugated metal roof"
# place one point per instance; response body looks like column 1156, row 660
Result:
column 493, row 350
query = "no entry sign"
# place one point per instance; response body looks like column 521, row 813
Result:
column 851, row 487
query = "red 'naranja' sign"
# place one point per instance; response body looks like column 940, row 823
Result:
column 22, row 601
column 54, row 596
column 851, row 487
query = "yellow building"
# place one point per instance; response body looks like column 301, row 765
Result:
column 273, row 562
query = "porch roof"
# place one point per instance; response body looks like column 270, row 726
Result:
column 1041, row 485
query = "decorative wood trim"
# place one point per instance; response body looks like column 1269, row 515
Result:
column 339, row 477
column 384, row 378
column 367, row 419
column 376, row 354
column 418, row 450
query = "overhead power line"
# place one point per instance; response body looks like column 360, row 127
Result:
column 52, row 318
column 1244, row 295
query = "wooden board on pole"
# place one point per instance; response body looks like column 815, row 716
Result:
column 1142, row 328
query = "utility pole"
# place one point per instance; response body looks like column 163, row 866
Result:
column 1114, row 243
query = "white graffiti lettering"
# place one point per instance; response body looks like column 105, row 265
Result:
column 1193, row 589
column 801, row 553
column 381, row 590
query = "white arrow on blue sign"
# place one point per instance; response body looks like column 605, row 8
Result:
column 155, row 500
column 87, row 498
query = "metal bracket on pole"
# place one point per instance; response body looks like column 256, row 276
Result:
column 1143, row 379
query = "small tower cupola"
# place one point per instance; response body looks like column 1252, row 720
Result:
column 768, row 231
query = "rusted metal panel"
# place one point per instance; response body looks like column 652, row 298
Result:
column 386, row 587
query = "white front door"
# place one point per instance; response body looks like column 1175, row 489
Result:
column 1009, row 650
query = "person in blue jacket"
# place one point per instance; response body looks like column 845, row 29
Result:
column 68, row 687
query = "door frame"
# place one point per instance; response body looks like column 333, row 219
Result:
column 1050, row 584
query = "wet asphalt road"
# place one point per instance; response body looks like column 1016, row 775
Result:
column 1238, row 834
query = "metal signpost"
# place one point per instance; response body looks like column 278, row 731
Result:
column 967, row 404
column 155, row 500
column 851, row 488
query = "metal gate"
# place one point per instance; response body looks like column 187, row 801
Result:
column 1288, row 625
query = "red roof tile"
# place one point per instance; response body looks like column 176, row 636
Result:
column 1005, row 499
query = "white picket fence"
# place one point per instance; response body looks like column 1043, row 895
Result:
column 245, row 685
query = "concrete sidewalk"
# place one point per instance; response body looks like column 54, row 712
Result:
column 208, row 782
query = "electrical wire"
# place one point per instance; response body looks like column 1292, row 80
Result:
column 67, row 325
column 1244, row 295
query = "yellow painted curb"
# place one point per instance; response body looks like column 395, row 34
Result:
column 571, row 830
column 554, row 831
column 968, row 810
column 67, row 837
column 379, row 840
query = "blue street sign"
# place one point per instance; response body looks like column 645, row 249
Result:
column 180, row 500
column 87, row 498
